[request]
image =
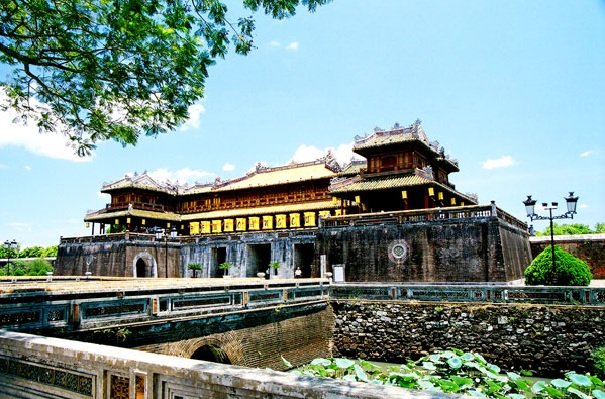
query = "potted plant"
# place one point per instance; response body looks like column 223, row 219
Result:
column 225, row 268
column 275, row 265
column 194, row 267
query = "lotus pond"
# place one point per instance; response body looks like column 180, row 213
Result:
column 454, row 371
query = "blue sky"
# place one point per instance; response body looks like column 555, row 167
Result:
column 515, row 90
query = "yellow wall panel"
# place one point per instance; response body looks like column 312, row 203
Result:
column 281, row 221
column 205, row 226
column 228, row 225
column 240, row 224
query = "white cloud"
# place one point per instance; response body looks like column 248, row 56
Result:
column 502, row 162
column 195, row 114
column 584, row 206
column 27, row 168
column 274, row 43
column 51, row 145
column 228, row 167
column 306, row 153
column 292, row 46
column 586, row 154
column 20, row 227
column 184, row 175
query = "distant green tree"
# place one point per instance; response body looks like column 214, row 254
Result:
column 50, row 252
column 569, row 270
column 38, row 267
column 599, row 227
column 31, row 252
column 566, row 229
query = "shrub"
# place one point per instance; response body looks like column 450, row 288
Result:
column 194, row 267
column 598, row 357
column 569, row 269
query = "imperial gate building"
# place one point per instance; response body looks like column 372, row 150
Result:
column 394, row 216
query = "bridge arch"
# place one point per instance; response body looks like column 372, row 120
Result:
column 144, row 265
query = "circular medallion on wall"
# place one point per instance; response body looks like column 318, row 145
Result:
column 398, row 251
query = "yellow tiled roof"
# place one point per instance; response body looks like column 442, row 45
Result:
column 280, row 175
column 383, row 184
column 103, row 215
column 261, row 210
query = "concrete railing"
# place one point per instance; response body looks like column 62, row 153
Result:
column 423, row 215
column 470, row 293
column 33, row 366
column 88, row 304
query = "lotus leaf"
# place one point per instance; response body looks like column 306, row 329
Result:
column 559, row 383
column 578, row 393
column 361, row 375
column 428, row 366
column 321, row 362
column 538, row 387
column 454, row 362
column 343, row 364
column 579, row 379
column 598, row 394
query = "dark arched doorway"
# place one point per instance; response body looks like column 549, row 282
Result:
column 211, row 353
column 140, row 267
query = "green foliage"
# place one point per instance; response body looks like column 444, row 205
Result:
column 598, row 357
column 36, row 267
column 275, row 265
column 29, row 252
column 456, row 372
column 224, row 267
column 569, row 269
column 571, row 229
column 101, row 70
column 194, row 267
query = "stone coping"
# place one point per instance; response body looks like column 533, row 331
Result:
column 84, row 285
column 191, row 373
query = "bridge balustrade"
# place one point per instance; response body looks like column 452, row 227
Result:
column 40, row 310
column 471, row 293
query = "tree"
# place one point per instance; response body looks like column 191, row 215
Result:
column 194, row 267
column 567, row 229
column 569, row 270
column 101, row 69
column 225, row 267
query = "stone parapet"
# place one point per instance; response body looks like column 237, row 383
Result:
column 32, row 367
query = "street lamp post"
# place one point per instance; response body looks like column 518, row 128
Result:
column 9, row 245
column 572, row 203
column 163, row 233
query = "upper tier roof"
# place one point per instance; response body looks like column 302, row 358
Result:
column 262, row 176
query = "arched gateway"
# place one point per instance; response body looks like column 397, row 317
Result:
column 144, row 265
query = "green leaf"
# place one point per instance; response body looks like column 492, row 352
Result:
column 516, row 396
column 361, row 375
column 538, row 387
column 286, row 363
column 454, row 362
column 513, row 376
column 343, row 364
column 476, row 394
column 598, row 394
column 554, row 392
column 426, row 385
column 428, row 366
column 321, row 362
column 448, row 386
column 578, row 393
column 579, row 379
column 559, row 383
column 461, row 381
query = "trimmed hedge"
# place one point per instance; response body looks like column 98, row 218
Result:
column 569, row 269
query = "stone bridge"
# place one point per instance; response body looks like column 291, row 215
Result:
column 257, row 322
